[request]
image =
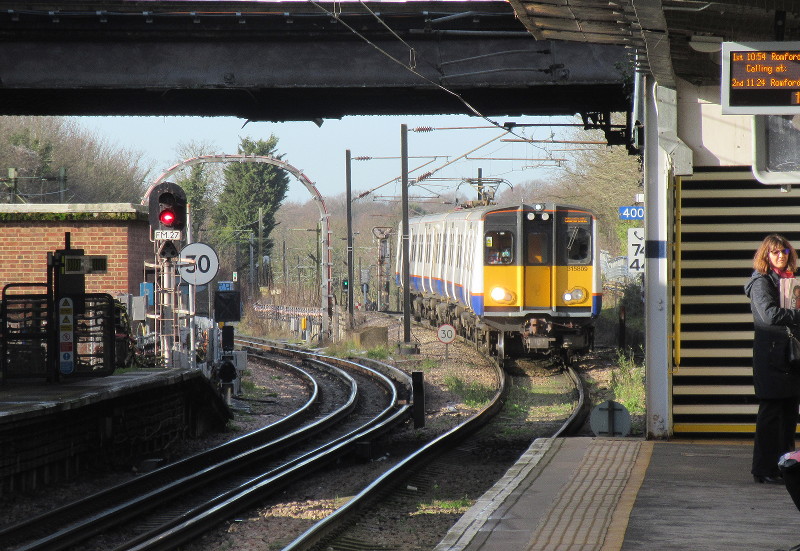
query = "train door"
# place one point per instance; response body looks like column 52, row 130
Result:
column 573, row 283
column 473, row 278
column 538, row 258
column 458, row 276
column 449, row 268
column 414, row 254
column 426, row 261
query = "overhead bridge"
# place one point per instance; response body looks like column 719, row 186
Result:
column 281, row 61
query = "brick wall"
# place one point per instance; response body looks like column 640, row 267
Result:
column 119, row 231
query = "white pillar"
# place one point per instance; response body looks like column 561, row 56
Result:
column 665, row 156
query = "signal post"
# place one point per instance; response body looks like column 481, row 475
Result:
column 168, row 218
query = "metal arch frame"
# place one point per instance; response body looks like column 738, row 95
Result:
column 327, row 296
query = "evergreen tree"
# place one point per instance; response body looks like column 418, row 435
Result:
column 199, row 182
column 247, row 187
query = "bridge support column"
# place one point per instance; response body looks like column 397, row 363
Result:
column 665, row 157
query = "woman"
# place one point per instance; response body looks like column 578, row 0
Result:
column 777, row 388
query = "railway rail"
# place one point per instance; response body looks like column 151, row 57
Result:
column 154, row 511
column 159, row 530
column 326, row 533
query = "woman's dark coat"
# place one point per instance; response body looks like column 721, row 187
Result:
column 771, row 376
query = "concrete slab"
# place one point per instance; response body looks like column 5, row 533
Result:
column 626, row 494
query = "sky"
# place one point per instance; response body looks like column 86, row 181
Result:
column 320, row 151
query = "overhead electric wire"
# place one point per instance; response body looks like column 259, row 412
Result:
column 434, row 171
column 409, row 67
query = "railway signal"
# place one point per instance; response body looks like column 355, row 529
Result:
column 167, row 204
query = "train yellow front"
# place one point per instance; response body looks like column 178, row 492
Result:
column 517, row 280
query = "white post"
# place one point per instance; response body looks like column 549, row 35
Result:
column 665, row 157
column 192, row 296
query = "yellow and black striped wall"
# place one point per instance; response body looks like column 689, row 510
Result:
column 720, row 218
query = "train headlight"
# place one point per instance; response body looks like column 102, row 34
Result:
column 499, row 294
column 578, row 294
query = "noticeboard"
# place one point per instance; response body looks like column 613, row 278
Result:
column 760, row 78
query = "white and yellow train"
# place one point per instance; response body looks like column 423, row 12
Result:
column 518, row 279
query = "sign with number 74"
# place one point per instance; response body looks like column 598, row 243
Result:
column 636, row 250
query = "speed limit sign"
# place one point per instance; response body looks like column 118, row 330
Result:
column 198, row 264
column 446, row 333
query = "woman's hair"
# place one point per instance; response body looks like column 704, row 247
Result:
column 770, row 243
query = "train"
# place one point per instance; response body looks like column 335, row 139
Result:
column 518, row 280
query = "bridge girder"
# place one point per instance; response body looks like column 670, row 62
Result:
column 278, row 67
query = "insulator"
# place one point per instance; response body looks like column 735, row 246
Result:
column 362, row 158
column 423, row 129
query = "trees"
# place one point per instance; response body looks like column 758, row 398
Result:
column 248, row 187
column 201, row 184
column 38, row 147
column 601, row 178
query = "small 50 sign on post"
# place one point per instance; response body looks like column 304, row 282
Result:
column 446, row 334
column 199, row 264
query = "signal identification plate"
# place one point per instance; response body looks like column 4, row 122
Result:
column 167, row 235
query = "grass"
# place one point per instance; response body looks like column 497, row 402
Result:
column 627, row 383
column 474, row 394
column 379, row 353
column 342, row 349
column 348, row 349
column 428, row 364
column 444, row 505
column 549, row 398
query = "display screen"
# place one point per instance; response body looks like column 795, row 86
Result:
column 761, row 78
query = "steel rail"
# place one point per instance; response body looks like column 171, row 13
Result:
column 197, row 521
column 330, row 524
column 172, row 480
column 85, row 506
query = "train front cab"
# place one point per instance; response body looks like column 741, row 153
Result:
column 541, row 284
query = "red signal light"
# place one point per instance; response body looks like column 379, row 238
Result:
column 167, row 217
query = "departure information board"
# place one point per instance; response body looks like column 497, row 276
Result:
column 760, row 78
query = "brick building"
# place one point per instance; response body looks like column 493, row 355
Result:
column 118, row 230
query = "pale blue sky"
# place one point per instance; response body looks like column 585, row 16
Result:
column 320, row 151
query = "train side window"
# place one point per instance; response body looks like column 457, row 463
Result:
column 537, row 249
column 579, row 245
column 498, row 247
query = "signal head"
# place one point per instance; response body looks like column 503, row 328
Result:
column 167, row 202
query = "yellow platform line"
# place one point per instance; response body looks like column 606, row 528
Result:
column 615, row 535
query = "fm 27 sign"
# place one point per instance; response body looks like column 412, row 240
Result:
column 636, row 250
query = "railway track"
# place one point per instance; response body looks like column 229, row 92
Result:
column 347, row 403
column 166, row 531
column 331, row 533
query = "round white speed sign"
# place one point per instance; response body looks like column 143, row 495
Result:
column 446, row 333
column 198, row 264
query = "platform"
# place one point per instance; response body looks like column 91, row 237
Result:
column 53, row 431
column 608, row 494
column 22, row 399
